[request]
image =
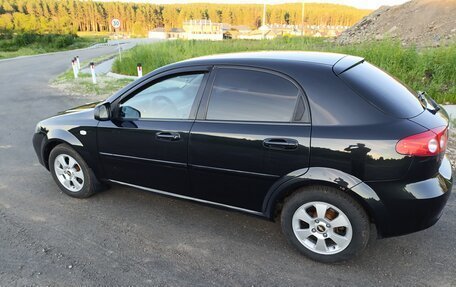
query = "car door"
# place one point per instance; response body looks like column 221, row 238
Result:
column 146, row 144
column 252, row 129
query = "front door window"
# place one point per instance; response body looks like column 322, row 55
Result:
column 171, row 98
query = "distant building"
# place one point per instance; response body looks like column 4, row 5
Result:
column 208, row 30
column 264, row 32
column 242, row 29
column 162, row 34
column 176, row 33
column 158, row 33
column 193, row 30
column 236, row 31
column 204, row 30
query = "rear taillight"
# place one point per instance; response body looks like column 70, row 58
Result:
column 429, row 143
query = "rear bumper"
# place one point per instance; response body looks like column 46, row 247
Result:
column 409, row 207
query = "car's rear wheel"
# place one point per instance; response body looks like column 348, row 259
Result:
column 71, row 172
column 325, row 224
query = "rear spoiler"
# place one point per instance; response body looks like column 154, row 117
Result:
column 346, row 63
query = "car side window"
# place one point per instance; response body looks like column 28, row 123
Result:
column 251, row 95
column 171, row 98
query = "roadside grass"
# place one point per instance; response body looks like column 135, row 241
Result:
column 83, row 86
column 427, row 69
column 14, row 45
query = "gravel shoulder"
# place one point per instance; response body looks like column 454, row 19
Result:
column 416, row 22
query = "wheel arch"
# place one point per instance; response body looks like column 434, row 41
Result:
column 54, row 138
column 347, row 183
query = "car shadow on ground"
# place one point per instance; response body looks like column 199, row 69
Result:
column 213, row 224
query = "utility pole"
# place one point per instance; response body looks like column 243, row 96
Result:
column 264, row 13
column 302, row 19
column 263, row 27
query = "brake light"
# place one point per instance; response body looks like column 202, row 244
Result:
column 429, row 143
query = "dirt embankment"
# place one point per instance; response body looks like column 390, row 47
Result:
column 418, row 22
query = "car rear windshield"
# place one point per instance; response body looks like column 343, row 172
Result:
column 383, row 90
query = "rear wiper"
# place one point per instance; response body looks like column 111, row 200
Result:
column 422, row 97
column 428, row 102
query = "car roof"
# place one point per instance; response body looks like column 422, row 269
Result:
column 265, row 59
column 292, row 56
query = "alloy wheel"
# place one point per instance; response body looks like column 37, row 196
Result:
column 322, row 227
column 69, row 172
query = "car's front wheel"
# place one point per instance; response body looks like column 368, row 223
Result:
column 71, row 172
column 325, row 224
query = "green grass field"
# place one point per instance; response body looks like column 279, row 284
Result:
column 14, row 45
column 432, row 69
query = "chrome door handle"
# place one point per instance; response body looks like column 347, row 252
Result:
column 280, row 143
column 170, row 136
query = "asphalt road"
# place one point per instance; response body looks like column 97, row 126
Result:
column 130, row 237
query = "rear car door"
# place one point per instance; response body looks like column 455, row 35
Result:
column 146, row 142
column 252, row 129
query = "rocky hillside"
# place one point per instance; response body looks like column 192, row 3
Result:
column 419, row 22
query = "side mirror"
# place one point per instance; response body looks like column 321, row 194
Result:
column 103, row 112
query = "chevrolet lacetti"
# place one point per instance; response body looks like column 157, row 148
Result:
column 332, row 147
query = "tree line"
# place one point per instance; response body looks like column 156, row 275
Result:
column 71, row 16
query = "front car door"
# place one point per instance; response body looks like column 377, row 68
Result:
column 252, row 129
column 146, row 143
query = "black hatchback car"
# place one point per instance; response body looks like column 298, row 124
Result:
column 327, row 143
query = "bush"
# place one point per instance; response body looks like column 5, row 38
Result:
column 6, row 35
column 62, row 41
column 13, row 45
column 25, row 39
column 48, row 42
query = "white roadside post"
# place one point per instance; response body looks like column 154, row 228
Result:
column 79, row 63
column 139, row 68
column 92, row 70
column 75, row 68
column 76, row 65
column 116, row 25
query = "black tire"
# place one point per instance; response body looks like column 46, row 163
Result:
column 355, row 213
column 90, row 183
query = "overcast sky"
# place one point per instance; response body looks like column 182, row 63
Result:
column 365, row 4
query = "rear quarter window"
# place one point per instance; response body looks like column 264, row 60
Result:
column 383, row 90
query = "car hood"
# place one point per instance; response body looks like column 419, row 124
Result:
column 74, row 117
column 88, row 106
